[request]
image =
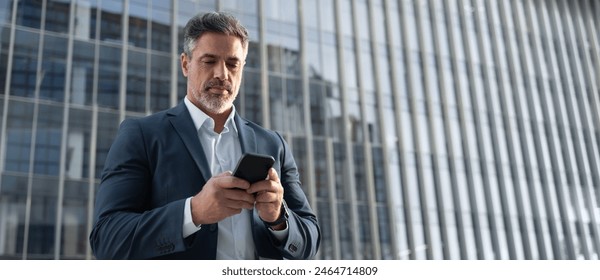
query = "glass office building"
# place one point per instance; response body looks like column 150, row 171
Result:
column 423, row 129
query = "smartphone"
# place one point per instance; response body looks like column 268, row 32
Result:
column 253, row 167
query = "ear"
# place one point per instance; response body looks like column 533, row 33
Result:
column 184, row 64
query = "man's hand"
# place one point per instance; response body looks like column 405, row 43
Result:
column 269, row 197
column 222, row 196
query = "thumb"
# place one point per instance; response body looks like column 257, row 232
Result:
column 273, row 176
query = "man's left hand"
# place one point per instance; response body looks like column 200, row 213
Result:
column 269, row 198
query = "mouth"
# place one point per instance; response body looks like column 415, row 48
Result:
column 218, row 87
column 217, row 90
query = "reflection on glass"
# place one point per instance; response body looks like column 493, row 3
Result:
column 29, row 14
column 318, row 107
column 41, row 229
column 294, row 107
column 25, row 60
column 110, row 20
column 78, row 144
column 5, row 11
column 136, row 82
column 250, row 93
column 326, row 249
column 57, row 16
column 301, row 158
column 385, row 227
column 276, row 96
column 346, row 230
column 320, row 169
column 48, row 140
column 53, row 73
column 109, row 77
column 82, row 74
column 74, row 220
column 108, row 123
column 360, row 176
column 138, row 24
column 18, row 136
column 160, row 82
column 341, row 172
column 13, row 196
column 365, row 247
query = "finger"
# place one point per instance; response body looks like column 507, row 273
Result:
column 238, row 204
column 263, row 186
column 224, row 174
column 230, row 182
column 239, row 196
column 267, row 197
column 273, row 176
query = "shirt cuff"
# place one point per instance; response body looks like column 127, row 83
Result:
column 189, row 227
column 280, row 235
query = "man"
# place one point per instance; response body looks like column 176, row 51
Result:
column 167, row 191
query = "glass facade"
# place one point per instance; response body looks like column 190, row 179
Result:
column 423, row 129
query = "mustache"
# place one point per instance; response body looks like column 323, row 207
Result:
column 216, row 83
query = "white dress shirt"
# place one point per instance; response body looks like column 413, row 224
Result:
column 222, row 151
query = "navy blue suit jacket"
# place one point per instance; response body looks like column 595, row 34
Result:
column 155, row 163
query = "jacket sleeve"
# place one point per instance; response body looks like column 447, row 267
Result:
column 125, row 226
column 304, row 233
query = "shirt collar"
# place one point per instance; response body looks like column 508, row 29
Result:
column 200, row 118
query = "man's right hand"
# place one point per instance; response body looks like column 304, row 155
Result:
column 222, row 196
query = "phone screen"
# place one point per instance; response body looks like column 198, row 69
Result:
column 253, row 167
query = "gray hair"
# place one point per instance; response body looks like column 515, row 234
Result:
column 217, row 22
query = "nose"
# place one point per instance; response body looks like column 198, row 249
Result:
column 221, row 72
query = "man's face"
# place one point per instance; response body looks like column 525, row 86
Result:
column 214, row 72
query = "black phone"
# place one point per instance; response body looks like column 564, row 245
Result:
column 253, row 167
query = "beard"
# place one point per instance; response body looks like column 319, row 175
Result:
column 215, row 103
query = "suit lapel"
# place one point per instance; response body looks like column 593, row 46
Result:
column 246, row 135
column 184, row 126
